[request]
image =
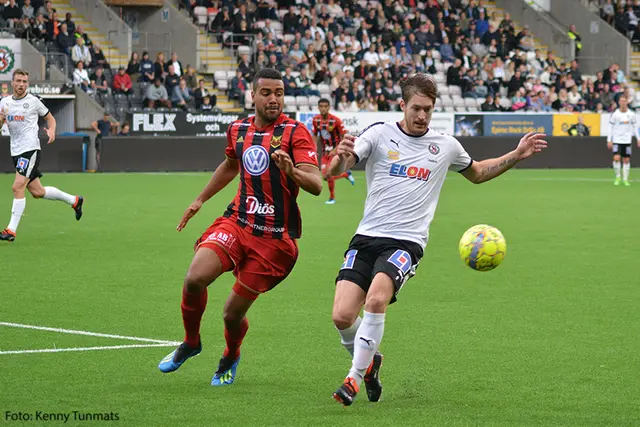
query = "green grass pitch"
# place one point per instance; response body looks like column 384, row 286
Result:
column 549, row 338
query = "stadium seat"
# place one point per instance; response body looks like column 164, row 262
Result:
column 231, row 74
column 473, row 109
column 290, row 101
column 243, row 50
column 447, row 102
column 302, row 100
column 455, row 90
column 449, row 110
column 304, row 108
column 220, row 75
column 201, row 15
column 505, row 103
column 479, row 102
column 469, row 102
column 313, row 101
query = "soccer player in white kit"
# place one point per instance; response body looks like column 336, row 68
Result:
column 622, row 129
column 21, row 111
column 407, row 165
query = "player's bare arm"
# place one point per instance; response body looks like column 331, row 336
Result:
column 51, row 127
column 308, row 177
column 345, row 157
column 486, row 170
column 223, row 175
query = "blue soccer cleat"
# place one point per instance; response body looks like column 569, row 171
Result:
column 350, row 177
column 177, row 357
column 226, row 372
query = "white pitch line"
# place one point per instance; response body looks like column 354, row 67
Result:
column 91, row 334
column 109, row 347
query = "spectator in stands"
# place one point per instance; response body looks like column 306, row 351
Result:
column 303, row 83
column 23, row 28
column 122, row 82
column 223, row 22
column 133, row 67
column 71, row 26
column 238, row 86
column 46, row 10
column 103, row 129
column 573, row 35
column 291, row 21
column 159, row 71
column 81, row 77
column 99, row 84
column 488, row 105
column 181, row 95
column 206, row 105
column 39, row 28
column 79, row 33
column 608, row 12
column 53, row 26
column 27, row 10
column 125, row 130
column 157, row 95
column 177, row 65
column 246, row 68
column 200, row 93
column 65, row 39
column 242, row 15
column 80, row 52
column 12, row 14
column 345, row 106
column 171, row 80
column 290, row 88
column 446, row 50
column 98, row 59
column 147, row 71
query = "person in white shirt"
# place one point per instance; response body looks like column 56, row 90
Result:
column 406, row 168
column 81, row 77
column 622, row 130
column 21, row 112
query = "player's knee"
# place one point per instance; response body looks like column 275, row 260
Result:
column 230, row 316
column 377, row 303
column 37, row 193
column 343, row 320
column 195, row 282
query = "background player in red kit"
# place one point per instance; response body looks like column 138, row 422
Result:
column 329, row 131
column 256, row 236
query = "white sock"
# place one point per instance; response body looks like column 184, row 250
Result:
column 347, row 336
column 626, row 167
column 52, row 193
column 616, row 169
column 17, row 209
column 366, row 344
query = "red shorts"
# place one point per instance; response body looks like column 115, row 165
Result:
column 326, row 161
column 259, row 263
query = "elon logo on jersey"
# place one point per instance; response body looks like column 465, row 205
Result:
column 15, row 118
column 412, row 172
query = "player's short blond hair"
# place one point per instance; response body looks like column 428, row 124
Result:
column 20, row 72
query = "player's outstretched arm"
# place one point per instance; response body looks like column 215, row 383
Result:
column 223, row 175
column 486, row 170
column 307, row 177
column 345, row 157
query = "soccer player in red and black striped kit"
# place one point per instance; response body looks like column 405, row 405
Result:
column 256, row 237
column 329, row 131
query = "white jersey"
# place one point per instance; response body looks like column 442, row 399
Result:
column 623, row 127
column 404, row 178
column 21, row 116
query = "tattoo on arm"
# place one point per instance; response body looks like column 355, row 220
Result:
column 500, row 167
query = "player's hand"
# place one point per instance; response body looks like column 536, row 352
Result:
column 346, row 146
column 188, row 214
column 51, row 134
column 283, row 161
column 610, row 145
column 530, row 144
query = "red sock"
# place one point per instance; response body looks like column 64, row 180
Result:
column 234, row 338
column 332, row 186
column 193, row 306
column 343, row 175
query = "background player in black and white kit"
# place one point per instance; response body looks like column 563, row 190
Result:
column 406, row 168
column 21, row 112
column 623, row 128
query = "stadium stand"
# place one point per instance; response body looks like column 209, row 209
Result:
column 352, row 52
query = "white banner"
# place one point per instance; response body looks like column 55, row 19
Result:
column 356, row 122
column 10, row 57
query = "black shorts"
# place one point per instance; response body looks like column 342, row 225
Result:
column 624, row 150
column 27, row 163
column 368, row 256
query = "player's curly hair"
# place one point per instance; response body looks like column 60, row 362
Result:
column 419, row 83
column 266, row 73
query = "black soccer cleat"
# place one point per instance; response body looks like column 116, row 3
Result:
column 372, row 379
column 347, row 392
column 7, row 235
column 77, row 207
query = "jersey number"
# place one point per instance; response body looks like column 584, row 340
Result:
column 349, row 259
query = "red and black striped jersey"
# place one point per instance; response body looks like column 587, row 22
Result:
column 331, row 130
column 266, row 199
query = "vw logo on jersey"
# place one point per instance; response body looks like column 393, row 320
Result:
column 325, row 134
column 255, row 160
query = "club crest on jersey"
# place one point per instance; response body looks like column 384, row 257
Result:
column 434, row 149
column 411, row 172
column 240, row 140
column 276, row 141
column 255, row 160
column 393, row 155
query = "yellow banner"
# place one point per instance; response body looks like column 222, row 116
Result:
column 563, row 122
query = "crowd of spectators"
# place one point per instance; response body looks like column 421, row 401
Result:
column 362, row 49
column 623, row 15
